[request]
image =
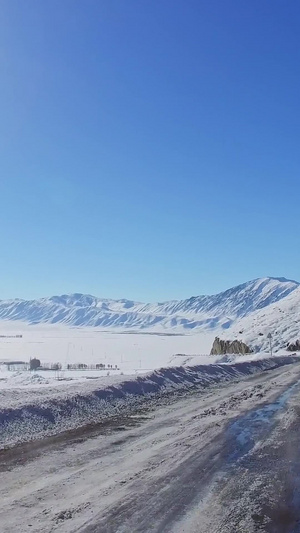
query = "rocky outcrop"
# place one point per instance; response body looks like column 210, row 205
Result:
column 222, row 347
column 293, row 346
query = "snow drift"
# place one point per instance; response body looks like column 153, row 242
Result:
column 42, row 416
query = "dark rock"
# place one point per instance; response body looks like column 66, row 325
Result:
column 221, row 347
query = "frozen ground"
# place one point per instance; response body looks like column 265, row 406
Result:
column 219, row 460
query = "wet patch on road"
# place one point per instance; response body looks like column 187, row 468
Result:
column 244, row 433
column 264, row 459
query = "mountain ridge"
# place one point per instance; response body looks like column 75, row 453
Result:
column 220, row 310
column 80, row 294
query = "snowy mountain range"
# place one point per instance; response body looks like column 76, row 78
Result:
column 250, row 310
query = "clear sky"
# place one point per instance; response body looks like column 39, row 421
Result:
column 148, row 149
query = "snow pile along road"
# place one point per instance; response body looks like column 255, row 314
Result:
column 59, row 411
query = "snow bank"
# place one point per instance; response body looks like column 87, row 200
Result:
column 44, row 415
column 23, row 379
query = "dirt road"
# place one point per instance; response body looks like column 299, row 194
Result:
column 227, row 460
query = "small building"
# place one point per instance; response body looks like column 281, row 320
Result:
column 11, row 364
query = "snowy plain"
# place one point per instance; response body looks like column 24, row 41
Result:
column 131, row 352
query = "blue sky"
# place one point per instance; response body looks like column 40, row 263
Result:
column 148, row 150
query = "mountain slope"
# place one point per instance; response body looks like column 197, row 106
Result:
column 281, row 319
column 201, row 312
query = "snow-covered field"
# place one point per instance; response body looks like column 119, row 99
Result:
column 131, row 352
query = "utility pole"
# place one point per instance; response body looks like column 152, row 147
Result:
column 270, row 340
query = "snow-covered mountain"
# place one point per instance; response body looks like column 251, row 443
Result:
column 281, row 319
column 220, row 311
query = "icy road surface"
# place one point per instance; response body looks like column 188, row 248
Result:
column 225, row 460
